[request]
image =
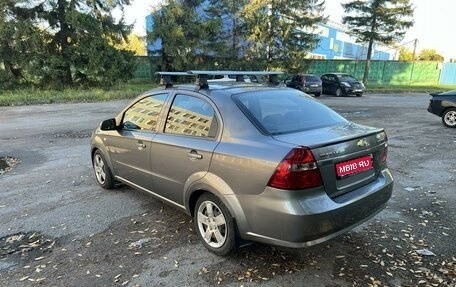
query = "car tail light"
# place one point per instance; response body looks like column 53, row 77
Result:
column 384, row 154
column 298, row 170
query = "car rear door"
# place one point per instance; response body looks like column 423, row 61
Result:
column 182, row 152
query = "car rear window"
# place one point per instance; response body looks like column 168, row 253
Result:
column 286, row 111
column 312, row 79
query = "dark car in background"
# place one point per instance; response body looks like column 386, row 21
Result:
column 309, row 84
column 444, row 105
column 341, row 84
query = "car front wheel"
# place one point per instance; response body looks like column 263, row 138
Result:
column 339, row 92
column 214, row 225
column 102, row 171
column 449, row 118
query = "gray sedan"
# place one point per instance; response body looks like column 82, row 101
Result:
column 247, row 161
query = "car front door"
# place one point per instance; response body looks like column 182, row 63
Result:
column 332, row 83
column 130, row 147
column 182, row 153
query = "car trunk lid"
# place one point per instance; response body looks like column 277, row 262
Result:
column 348, row 155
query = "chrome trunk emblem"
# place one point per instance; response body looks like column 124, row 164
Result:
column 362, row 143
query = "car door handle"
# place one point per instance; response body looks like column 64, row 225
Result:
column 140, row 145
column 193, row 154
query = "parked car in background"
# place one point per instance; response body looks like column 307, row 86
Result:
column 341, row 84
column 444, row 105
column 240, row 156
column 309, row 84
column 230, row 78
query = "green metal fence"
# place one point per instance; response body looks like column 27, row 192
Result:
column 381, row 72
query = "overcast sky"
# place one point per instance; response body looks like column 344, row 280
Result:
column 433, row 27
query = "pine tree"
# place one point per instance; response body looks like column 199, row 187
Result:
column 282, row 32
column 62, row 43
column 226, row 16
column 382, row 21
column 178, row 35
column 21, row 46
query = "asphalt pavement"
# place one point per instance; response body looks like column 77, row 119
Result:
column 59, row 228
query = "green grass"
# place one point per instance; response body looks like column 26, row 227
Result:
column 134, row 88
column 408, row 89
column 37, row 96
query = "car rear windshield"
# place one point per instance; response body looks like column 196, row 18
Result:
column 286, row 111
column 312, row 79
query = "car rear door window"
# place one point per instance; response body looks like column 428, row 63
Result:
column 143, row 115
column 191, row 116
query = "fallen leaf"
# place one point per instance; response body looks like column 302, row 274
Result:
column 425, row 252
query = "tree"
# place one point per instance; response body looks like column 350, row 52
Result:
column 135, row 44
column 80, row 44
column 430, row 55
column 62, row 43
column 20, row 43
column 282, row 34
column 405, row 54
column 178, row 35
column 383, row 21
column 226, row 16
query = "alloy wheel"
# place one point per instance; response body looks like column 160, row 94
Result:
column 100, row 169
column 449, row 118
column 212, row 224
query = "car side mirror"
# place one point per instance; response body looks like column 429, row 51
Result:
column 108, row 125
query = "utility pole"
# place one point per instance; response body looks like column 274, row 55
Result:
column 415, row 43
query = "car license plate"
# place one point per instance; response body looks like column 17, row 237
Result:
column 314, row 86
column 351, row 167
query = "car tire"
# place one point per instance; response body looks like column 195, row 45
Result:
column 317, row 95
column 449, row 118
column 359, row 95
column 338, row 92
column 214, row 225
column 102, row 171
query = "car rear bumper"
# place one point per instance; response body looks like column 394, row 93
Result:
column 312, row 90
column 307, row 217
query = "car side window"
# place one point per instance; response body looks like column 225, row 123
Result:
column 143, row 115
column 191, row 116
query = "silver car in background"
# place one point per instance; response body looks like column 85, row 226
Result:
column 247, row 161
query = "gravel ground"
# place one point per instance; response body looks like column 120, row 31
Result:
column 59, row 228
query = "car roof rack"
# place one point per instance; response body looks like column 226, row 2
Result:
column 166, row 77
column 202, row 75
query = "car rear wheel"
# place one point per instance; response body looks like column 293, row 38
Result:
column 449, row 118
column 317, row 94
column 102, row 172
column 214, row 225
column 339, row 92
